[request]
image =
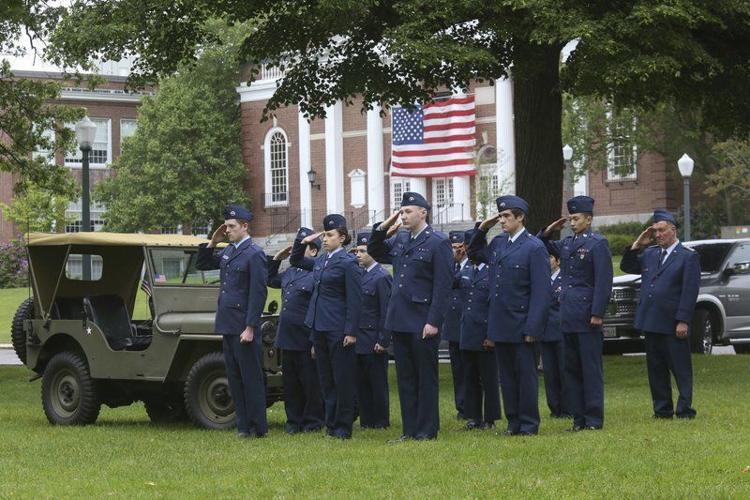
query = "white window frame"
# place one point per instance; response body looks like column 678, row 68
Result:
column 612, row 167
column 404, row 185
column 269, row 202
column 135, row 121
column 448, row 192
column 76, row 162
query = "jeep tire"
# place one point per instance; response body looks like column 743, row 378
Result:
column 69, row 394
column 207, row 398
column 17, row 335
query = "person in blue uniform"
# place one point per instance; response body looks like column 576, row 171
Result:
column 670, row 279
column 519, row 305
column 586, row 268
column 373, row 341
column 481, row 383
column 303, row 401
column 333, row 316
column 552, row 349
column 451, row 329
column 242, row 297
column 422, row 277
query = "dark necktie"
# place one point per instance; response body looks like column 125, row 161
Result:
column 510, row 242
column 661, row 257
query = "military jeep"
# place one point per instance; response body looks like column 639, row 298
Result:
column 80, row 336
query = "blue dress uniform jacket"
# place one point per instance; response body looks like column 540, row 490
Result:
column 376, row 291
column 669, row 291
column 451, row 330
column 552, row 332
column 296, row 291
column 518, row 283
column 339, row 278
column 476, row 304
column 422, row 277
column 586, row 269
column 242, row 294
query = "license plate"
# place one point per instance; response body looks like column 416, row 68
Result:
column 610, row 331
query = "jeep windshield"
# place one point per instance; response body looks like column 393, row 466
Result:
column 176, row 266
column 712, row 255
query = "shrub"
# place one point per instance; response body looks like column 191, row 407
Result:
column 14, row 265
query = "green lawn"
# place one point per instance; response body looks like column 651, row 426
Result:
column 122, row 455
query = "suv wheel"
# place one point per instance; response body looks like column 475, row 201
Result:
column 18, row 336
column 207, row 398
column 167, row 410
column 702, row 332
column 69, row 395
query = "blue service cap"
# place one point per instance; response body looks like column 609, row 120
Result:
column 363, row 238
column 414, row 199
column 661, row 214
column 334, row 221
column 304, row 232
column 457, row 237
column 237, row 212
column 511, row 201
column 581, row 205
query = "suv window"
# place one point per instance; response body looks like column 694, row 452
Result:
column 712, row 255
column 740, row 254
column 176, row 266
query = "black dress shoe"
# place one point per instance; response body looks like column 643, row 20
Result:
column 312, row 429
column 424, row 437
column 575, row 428
column 661, row 417
column 509, row 432
column 688, row 416
column 292, row 429
column 460, row 416
column 487, row 425
column 401, row 439
column 593, row 427
column 526, row 433
column 471, row 425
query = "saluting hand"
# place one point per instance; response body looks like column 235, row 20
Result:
column 311, row 238
column 429, row 331
column 488, row 224
column 390, row 220
column 555, row 226
column 283, row 254
column 393, row 230
column 219, row 235
column 682, row 330
column 644, row 239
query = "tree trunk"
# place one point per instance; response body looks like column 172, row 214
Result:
column 537, row 106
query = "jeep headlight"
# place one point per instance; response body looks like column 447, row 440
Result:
column 268, row 332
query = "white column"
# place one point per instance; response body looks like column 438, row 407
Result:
column 305, row 191
column 461, row 198
column 334, row 159
column 375, row 165
column 506, row 147
column 418, row 185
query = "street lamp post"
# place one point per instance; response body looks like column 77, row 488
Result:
column 568, row 189
column 686, row 164
column 85, row 135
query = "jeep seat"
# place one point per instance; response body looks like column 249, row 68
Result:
column 109, row 313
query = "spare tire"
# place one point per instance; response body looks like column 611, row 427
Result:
column 17, row 335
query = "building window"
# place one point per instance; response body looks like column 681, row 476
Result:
column 622, row 153
column 443, row 192
column 276, row 149
column 399, row 186
column 101, row 150
column 73, row 213
column 127, row 128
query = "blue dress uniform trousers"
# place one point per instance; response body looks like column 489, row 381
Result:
column 669, row 290
column 372, row 391
column 552, row 350
column 482, row 386
column 518, row 382
column 303, row 401
column 586, row 270
column 242, row 297
column 451, row 332
column 336, row 368
column 422, row 279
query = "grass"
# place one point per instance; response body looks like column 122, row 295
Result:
column 122, row 455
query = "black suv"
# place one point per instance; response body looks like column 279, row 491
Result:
column 722, row 313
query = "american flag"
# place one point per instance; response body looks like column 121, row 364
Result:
column 434, row 140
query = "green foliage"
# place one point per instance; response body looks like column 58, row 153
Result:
column 184, row 161
column 40, row 209
column 732, row 179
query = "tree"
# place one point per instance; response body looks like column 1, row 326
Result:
column 39, row 209
column 635, row 52
column 184, row 161
column 26, row 111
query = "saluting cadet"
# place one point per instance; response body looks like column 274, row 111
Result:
column 333, row 315
column 242, row 297
column 481, row 382
column 670, row 279
column 373, row 341
column 552, row 348
column 451, row 330
column 303, row 402
column 519, row 305
column 422, row 277
column 586, row 268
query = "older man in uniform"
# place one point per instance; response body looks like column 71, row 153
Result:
column 670, row 279
column 586, row 268
column 422, row 275
column 242, row 297
column 519, row 304
column 451, row 330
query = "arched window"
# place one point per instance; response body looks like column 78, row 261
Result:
column 276, row 149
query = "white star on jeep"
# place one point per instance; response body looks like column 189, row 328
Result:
column 88, row 330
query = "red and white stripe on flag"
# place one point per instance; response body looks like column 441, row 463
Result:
column 434, row 140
